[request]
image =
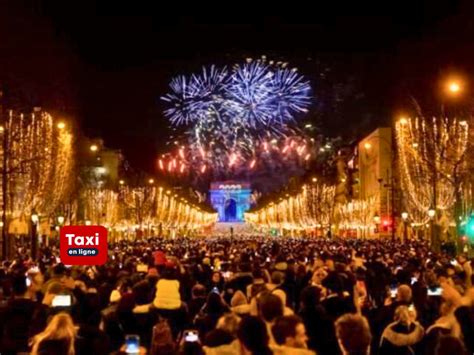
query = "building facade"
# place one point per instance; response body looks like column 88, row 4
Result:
column 375, row 178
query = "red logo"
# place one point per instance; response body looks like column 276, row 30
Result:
column 83, row 245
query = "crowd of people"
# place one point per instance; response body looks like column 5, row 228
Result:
column 241, row 295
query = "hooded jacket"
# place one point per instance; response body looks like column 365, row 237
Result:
column 167, row 294
column 398, row 338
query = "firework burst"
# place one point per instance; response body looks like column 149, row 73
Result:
column 230, row 115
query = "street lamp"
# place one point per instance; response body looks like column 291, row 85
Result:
column 454, row 87
column 94, row 148
column 431, row 212
column 34, row 238
column 34, row 218
column 377, row 222
column 403, row 121
column 151, row 181
column 61, row 125
column 121, row 182
column 405, row 224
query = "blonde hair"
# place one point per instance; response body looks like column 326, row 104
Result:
column 405, row 315
column 404, row 293
column 60, row 327
column 229, row 322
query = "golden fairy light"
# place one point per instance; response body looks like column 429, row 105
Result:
column 432, row 159
column 357, row 215
column 39, row 163
column 312, row 207
column 150, row 205
column 101, row 206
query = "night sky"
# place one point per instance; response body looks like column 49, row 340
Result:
column 107, row 65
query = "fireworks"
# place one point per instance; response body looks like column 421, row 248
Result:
column 228, row 114
column 252, row 94
column 285, row 153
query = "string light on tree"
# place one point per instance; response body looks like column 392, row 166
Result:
column 431, row 151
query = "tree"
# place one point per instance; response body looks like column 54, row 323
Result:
column 433, row 166
column 37, row 166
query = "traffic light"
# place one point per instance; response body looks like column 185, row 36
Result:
column 386, row 223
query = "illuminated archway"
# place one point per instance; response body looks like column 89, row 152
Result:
column 230, row 199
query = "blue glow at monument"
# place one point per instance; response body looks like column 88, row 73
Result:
column 230, row 199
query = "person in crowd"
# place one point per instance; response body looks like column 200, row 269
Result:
column 277, row 278
column 168, row 301
column 270, row 307
column 353, row 334
column 320, row 328
column 213, row 309
column 217, row 282
column 253, row 337
column 16, row 329
column 449, row 345
column 445, row 325
column 197, row 301
column 36, row 280
column 385, row 314
column 319, row 279
column 289, row 333
column 338, row 301
column 465, row 264
column 225, row 331
column 144, row 317
column 59, row 274
column 239, row 304
column 258, row 285
column 168, row 295
column 464, row 312
column 110, row 322
column 402, row 336
column 289, row 285
column 45, row 310
column 90, row 339
column 58, row 338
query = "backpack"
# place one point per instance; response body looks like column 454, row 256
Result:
column 162, row 342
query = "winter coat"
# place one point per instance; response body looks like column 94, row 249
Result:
column 167, row 294
column 400, row 339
